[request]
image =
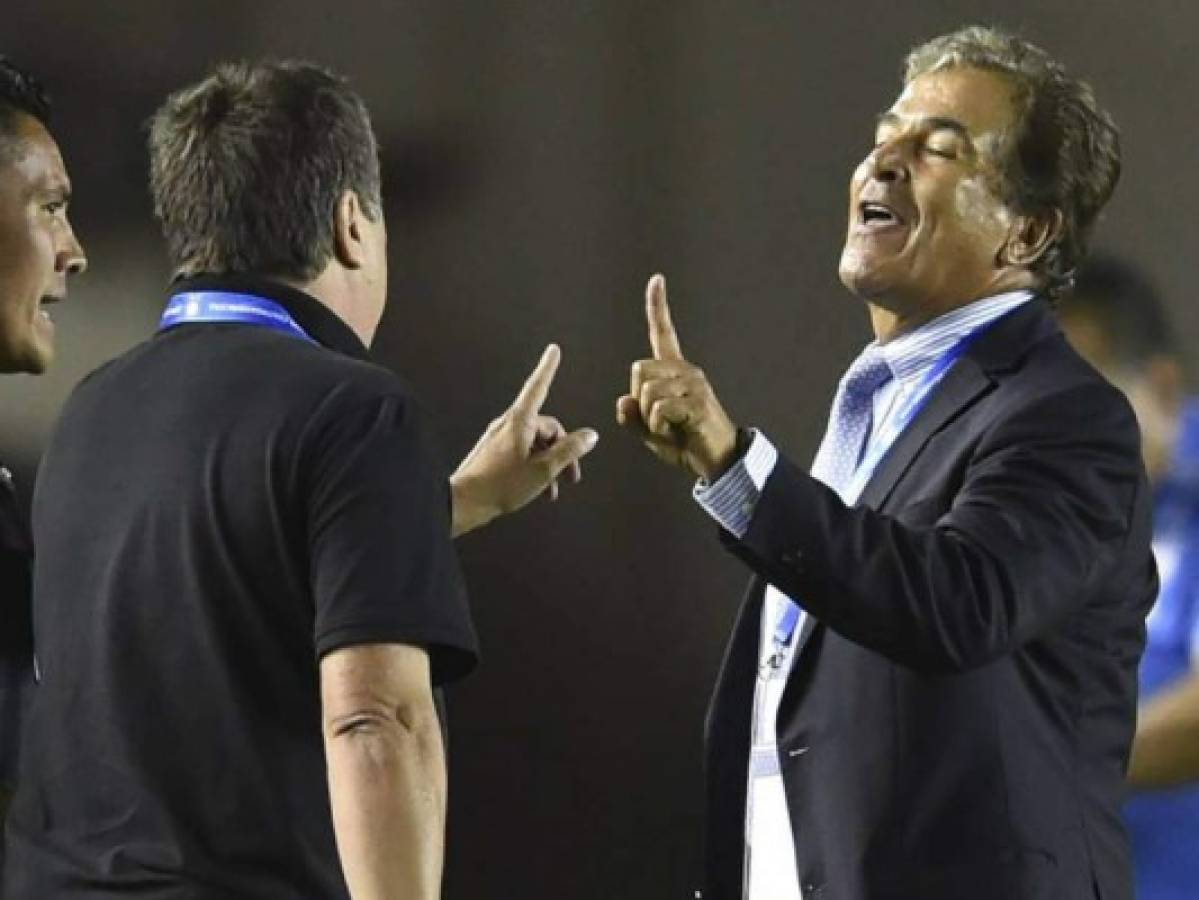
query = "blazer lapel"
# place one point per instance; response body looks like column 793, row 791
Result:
column 1002, row 347
column 964, row 382
column 960, row 387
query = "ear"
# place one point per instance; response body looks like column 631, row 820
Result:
column 348, row 234
column 1030, row 238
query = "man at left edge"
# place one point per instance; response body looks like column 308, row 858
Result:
column 38, row 250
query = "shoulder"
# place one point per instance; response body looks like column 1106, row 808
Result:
column 355, row 408
column 342, row 379
column 351, row 390
column 249, row 366
column 1055, row 385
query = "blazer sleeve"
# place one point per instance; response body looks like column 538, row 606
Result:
column 1045, row 505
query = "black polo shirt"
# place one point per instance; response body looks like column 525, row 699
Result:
column 16, row 636
column 218, row 508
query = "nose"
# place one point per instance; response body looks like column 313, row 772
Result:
column 71, row 258
column 889, row 163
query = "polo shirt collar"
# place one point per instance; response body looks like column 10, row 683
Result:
column 321, row 323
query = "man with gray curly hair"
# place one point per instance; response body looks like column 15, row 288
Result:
column 930, row 691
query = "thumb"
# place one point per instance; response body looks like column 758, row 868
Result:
column 628, row 411
column 569, row 449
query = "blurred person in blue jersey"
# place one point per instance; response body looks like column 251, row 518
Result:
column 38, row 250
column 1116, row 319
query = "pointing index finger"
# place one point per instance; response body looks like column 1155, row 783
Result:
column 662, row 337
column 537, row 386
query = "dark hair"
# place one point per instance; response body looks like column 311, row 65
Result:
column 20, row 93
column 1122, row 300
column 247, row 167
column 1065, row 154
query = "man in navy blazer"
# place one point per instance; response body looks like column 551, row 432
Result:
column 930, row 691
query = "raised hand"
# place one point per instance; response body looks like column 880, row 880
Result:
column 520, row 456
column 670, row 404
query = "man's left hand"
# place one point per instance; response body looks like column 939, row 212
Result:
column 670, row 404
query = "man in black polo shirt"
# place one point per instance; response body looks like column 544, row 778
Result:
column 240, row 620
column 38, row 250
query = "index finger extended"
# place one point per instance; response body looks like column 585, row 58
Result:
column 662, row 337
column 537, row 386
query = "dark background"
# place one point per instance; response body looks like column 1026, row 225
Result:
column 542, row 159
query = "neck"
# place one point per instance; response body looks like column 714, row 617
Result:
column 331, row 289
column 888, row 324
column 890, row 320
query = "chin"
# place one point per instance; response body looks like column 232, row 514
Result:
column 33, row 360
column 881, row 285
column 865, row 283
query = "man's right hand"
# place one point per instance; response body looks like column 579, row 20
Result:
column 520, row 456
column 671, row 405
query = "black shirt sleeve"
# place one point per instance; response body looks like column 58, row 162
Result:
column 16, row 632
column 383, row 567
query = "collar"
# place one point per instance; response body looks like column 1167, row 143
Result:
column 321, row 323
column 911, row 356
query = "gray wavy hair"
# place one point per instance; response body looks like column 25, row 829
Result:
column 1065, row 152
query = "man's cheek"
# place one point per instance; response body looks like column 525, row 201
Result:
column 977, row 211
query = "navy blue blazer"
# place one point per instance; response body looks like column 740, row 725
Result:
column 958, row 719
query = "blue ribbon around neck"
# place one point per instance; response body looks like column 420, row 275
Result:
column 221, row 306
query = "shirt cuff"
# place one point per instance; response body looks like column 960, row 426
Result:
column 732, row 498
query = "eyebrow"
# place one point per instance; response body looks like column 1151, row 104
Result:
column 933, row 123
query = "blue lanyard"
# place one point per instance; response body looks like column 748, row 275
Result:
column 893, row 427
column 784, row 629
column 219, row 306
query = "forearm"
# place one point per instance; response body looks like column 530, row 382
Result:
column 469, row 510
column 944, row 592
column 1165, row 751
column 387, row 786
column 901, row 591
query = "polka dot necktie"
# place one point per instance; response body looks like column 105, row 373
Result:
column 849, row 422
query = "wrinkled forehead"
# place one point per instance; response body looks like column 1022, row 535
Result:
column 983, row 101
